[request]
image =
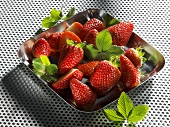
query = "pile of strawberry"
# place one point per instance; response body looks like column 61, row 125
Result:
column 102, row 73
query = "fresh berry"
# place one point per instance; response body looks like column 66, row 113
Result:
column 121, row 33
column 91, row 37
column 63, row 82
column 54, row 40
column 88, row 68
column 130, row 76
column 41, row 47
column 70, row 57
column 104, row 77
column 135, row 56
column 76, row 28
column 68, row 35
column 91, row 24
column 82, row 94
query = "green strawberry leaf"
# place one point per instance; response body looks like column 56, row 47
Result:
column 125, row 105
column 141, row 54
column 138, row 113
column 37, row 64
column 71, row 12
column 70, row 42
column 45, row 60
column 109, row 20
column 91, row 52
column 103, row 40
column 113, row 115
column 51, row 69
column 39, row 72
column 115, row 61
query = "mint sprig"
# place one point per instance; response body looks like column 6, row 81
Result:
column 109, row 20
column 55, row 16
column 126, row 111
column 43, row 68
column 104, row 49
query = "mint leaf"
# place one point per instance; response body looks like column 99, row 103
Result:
column 103, row 40
column 114, row 51
column 55, row 14
column 51, row 69
column 70, row 13
column 48, row 22
column 45, row 60
column 90, row 51
column 109, row 20
column 37, row 64
column 138, row 113
column 125, row 105
column 113, row 115
column 113, row 22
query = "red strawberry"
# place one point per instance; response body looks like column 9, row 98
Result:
column 70, row 57
column 91, row 37
column 68, row 35
column 63, row 82
column 91, row 24
column 130, row 76
column 41, row 47
column 121, row 33
column 82, row 94
column 76, row 28
column 104, row 77
column 135, row 56
column 88, row 68
column 54, row 40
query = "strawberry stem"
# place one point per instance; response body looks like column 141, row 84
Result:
column 115, row 61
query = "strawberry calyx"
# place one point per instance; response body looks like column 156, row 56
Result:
column 72, row 43
column 115, row 61
column 141, row 53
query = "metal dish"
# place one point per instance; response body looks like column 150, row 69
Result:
column 153, row 65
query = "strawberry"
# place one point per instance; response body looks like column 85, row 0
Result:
column 76, row 28
column 68, row 35
column 70, row 56
column 41, row 47
column 63, row 81
column 135, row 56
column 53, row 40
column 82, row 94
column 121, row 33
column 91, row 37
column 130, row 76
column 104, row 77
column 91, row 24
column 88, row 68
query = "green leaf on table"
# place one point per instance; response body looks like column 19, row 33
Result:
column 51, row 69
column 125, row 105
column 70, row 13
column 138, row 113
column 90, row 51
column 103, row 40
column 45, row 60
column 113, row 115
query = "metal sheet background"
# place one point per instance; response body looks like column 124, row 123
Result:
column 26, row 101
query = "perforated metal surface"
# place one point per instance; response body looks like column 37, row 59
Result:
column 26, row 101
